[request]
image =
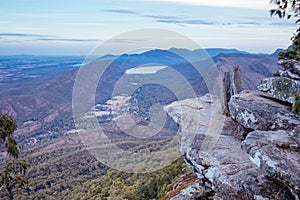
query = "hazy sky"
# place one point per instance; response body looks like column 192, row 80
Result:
column 78, row 26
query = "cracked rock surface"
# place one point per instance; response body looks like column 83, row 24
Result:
column 256, row 112
column 281, row 88
column 225, row 167
column 277, row 154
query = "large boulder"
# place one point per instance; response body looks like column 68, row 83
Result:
column 197, row 115
column 288, row 74
column 277, row 154
column 281, row 88
column 255, row 111
column 290, row 65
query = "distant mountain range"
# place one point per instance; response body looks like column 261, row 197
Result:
column 192, row 55
column 202, row 54
column 275, row 54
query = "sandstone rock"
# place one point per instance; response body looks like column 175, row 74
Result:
column 256, row 112
column 292, row 65
column 197, row 115
column 281, row 88
column 225, row 167
column 194, row 191
column 296, row 135
column 231, row 85
column 288, row 74
column 189, row 187
column 277, row 154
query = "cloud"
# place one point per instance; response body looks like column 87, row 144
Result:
column 128, row 40
column 22, row 35
column 252, row 4
column 193, row 21
column 284, row 24
column 161, row 18
column 130, row 12
column 185, row 20
column 121, row 11
column 67, row 40
column 40, row 37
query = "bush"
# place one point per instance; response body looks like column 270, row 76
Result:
column 296, row 105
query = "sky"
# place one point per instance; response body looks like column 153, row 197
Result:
column 76, row 27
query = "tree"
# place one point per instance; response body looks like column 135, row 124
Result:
column 289, row 9
column 12, row 174
column 286, row 8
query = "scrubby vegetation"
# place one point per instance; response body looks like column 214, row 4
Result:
column 62, row 171
column 121, row 185
column 296, row 105
column 294, row 52
column 289, row 9
column 13, row 168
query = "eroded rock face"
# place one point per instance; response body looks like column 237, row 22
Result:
column 231, row 85
column 201, row 115
column 277, row 154
column 253, row 111
column 281, row 88
column 256, row 155
column 289, row 74
column 225, row 167
column 291, row 65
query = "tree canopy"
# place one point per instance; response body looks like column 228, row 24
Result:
column 286, row 8
column 12, row 174
column 289, row 9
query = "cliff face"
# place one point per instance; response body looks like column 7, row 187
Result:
column 252, row 154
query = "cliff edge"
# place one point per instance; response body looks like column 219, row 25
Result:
column 251, row 152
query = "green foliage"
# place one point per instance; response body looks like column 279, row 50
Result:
column 12, row 174
column 289, row 9
column 293, row 53
column 71, row 172
column 276, row 73
column 7, row 127
column 296, row 105
column 122, row 185
column 286, row 8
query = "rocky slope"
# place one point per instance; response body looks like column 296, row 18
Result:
column 256, row 155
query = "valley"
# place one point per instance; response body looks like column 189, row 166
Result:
column 39, row 98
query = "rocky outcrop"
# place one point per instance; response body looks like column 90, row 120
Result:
column 261, row 163
column 273, row 144
column 281, row 88
column 201, row 117
column 224, row 168
column 256, row 112
column 231, row 85
column 277, row 154
column 292, row 66
column 287, row 85
column 288, row 74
